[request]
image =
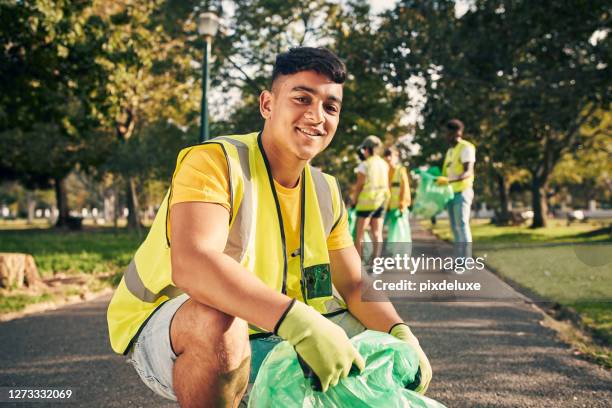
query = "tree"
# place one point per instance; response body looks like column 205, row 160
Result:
column 558, row 84
column 150, row 79
column 524, row 77
column 369, row 106
column 587, row 171
column 48, row 109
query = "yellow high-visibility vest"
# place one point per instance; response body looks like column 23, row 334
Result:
column 454, row 166
column 256, row 240
column 396, row 184
column 375, row 192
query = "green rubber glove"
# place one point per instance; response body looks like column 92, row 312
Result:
column 402, row 332
column 322, row 344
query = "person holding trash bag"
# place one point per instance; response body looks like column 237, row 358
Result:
column 397, row 218
column 458, row 170
column 371, row 194
column 247, row 249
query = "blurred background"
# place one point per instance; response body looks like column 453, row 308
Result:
column 97, row 97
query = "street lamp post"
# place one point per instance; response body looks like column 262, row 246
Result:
column 208, row 25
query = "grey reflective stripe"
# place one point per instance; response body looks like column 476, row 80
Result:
column 335, row 303
column 137, row 288
column 324, row 196
column 340, row 203
column 239, row 234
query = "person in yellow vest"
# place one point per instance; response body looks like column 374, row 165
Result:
column 371, row 194
column 251, row 247
column 458, row 170
column 399, row 186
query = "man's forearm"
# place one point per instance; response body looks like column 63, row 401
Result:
column 468, row 170
column 378, row 316
column 460, row 177
column 218, row 281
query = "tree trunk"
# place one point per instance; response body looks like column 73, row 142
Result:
column 17, row 269
column 503, row 188
column 61, row 200
column 133, row 221
column 110, row 206
column 118, row 208
column 31, row 206
column 539, row 203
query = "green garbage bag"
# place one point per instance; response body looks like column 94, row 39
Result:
column 391, row 365
column 431, row 199
column 398, row 226
column 352, row 221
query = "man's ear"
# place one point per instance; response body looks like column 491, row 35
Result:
column 265, row 104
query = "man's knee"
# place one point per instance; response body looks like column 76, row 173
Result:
column 213, row 356
column 199, row 329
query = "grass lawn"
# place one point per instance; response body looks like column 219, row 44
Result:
column 571, row 266
column 101, row 250
column 558, row 232
column 95, row 256
column 17, row 302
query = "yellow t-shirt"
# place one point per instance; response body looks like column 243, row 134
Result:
column 203, row 177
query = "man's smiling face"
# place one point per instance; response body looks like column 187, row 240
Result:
column 302, row 112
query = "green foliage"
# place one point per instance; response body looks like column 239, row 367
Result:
column 114, row 87
column 369, row 106
column 49, row 109
column 586, row 172
column 146, row 68
column 523, row 76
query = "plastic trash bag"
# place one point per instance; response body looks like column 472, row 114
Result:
column 352, row 220
column 398, row 226
column 391, row 365
column 352, row 223
column 431, row 199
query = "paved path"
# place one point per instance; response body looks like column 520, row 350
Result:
column 484, row 354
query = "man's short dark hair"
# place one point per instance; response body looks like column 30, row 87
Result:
column 455, row 125
column 319, row 60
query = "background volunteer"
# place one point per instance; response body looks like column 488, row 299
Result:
column 400, row 199
column 458, row 170
column 371, row 194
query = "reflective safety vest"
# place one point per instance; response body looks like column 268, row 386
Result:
column 453, row 166
column 396, row 184
column 256, row 240
column 375, row 192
